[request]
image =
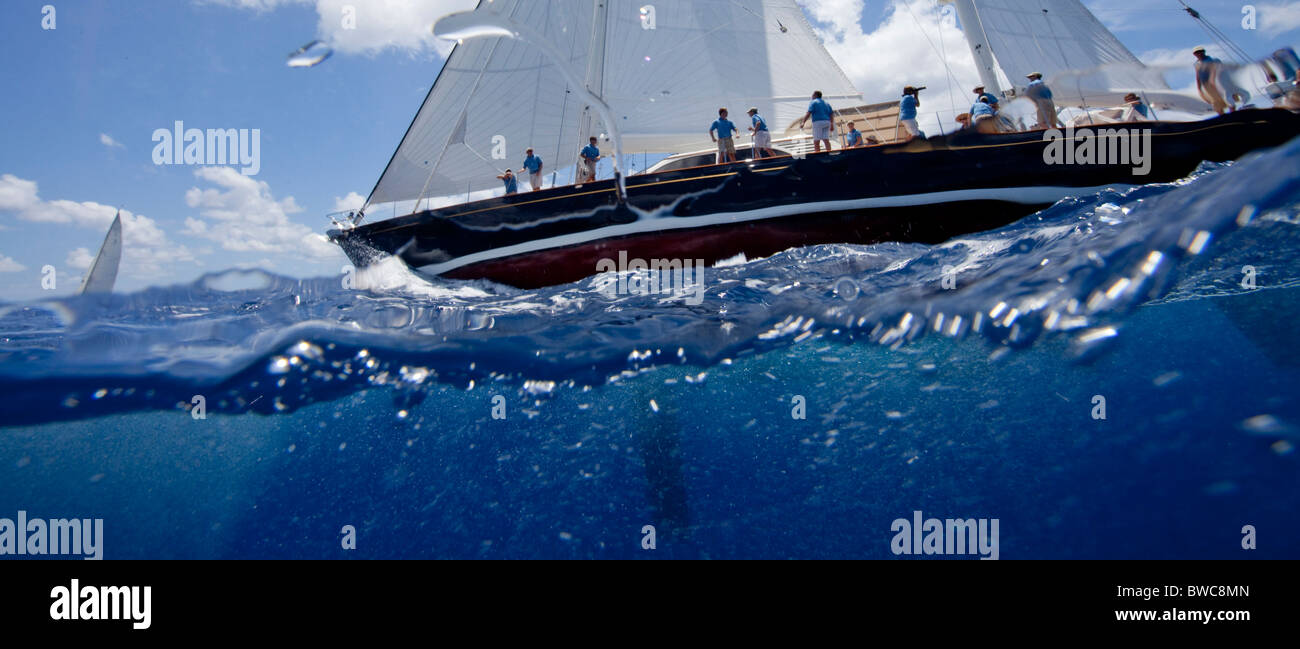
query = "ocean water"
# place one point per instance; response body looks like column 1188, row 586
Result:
column 1113, row 377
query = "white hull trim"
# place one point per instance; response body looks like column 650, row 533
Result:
column 1022, row 195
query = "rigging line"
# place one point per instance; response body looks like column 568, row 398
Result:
column 908, row 5
column 537, row 88
column 469, row 96
column 988, row 46
column 1216, row 34
column 1078, row 79
column 564, row 109
column 952, row 97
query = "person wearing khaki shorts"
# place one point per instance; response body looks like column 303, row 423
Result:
column 724, row 128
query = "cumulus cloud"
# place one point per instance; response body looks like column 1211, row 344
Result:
column 146, row 250
column 1275, row 19
column 909, row 47
column 242, row 215
column 371, row 26
column 108, row 141
column 353, row 201
column 79, row 258
column 8, row 265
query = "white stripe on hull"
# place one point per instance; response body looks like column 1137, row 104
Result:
column 1022, row 195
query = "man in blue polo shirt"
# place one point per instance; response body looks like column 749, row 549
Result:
column 762, row 137
column 534, row 166
column 512, row 186
column 982, row 117
column 587, row 160
column 724, row 128
column 980, row 95
column 855, row 136
column 1041, row 95
column 823, row 121
column 907, row 111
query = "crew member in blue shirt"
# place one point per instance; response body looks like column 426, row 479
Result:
column 1207, row 81
column 907, row 111
column 512, row 186
column 1135, row 110
column 982, row 117
column 1041, row 95
column 992, row 101
column 724, row 128
column 534, row 166
column 823, row 121
column 587, row 160
column 855, row 136
column 762, row 137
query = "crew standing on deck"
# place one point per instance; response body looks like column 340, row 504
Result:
column 534, row 166
column 907, row 111
column 512, row 185
column 1041, row 95
column 724, row 128
column 823, row 121
column 762, row 136
column 1207, row 81
column 587, row 160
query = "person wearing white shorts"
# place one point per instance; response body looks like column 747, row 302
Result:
column 762, row 136
column 822, row 116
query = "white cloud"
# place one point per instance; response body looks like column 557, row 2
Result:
column 907, row 48
column 404, row 25
column 146, row 250
column 1275, row 19
column 79, row 258
column 242, row 215
column 353, row 201
column 8, row 265
column 108, row 141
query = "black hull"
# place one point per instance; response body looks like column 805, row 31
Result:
column 923, row 191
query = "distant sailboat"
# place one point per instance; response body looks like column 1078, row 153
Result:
column 102, row 273
column 663, row 78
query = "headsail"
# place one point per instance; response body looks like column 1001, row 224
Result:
column 1059, row 38
column 102, row 273
column 663, row 73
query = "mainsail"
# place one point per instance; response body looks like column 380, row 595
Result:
column 1059, row 38
column 664, row 68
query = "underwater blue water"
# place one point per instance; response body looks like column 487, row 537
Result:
column 961, row 380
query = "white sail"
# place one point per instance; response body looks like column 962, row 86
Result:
column 664, row 73
column 1081, row 59
column 102, row 273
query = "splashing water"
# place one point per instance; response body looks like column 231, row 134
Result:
column 961, row 379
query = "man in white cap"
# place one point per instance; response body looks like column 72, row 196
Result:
column 1041, row 95
column 1207, row 80
column 762, row 136
column 981, row 95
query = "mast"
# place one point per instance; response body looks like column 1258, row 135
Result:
column 595, row 80
column 971, row 27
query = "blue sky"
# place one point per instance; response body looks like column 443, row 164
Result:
column 85, row 98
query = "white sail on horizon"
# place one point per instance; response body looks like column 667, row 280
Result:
column 665, row 74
